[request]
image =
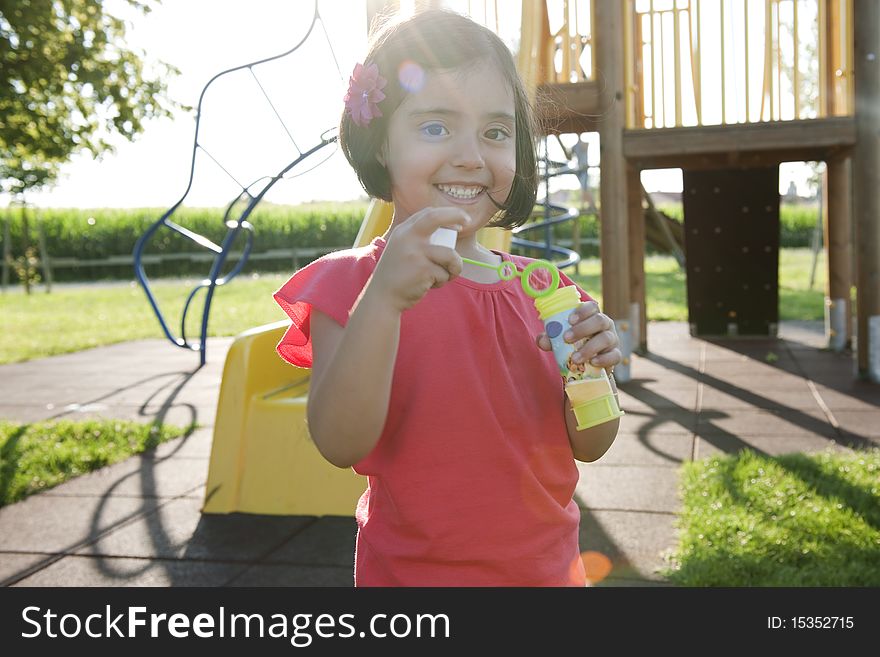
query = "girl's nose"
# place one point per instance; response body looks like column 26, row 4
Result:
column 468, row 154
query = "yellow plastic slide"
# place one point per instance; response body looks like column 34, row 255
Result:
column 262, row 458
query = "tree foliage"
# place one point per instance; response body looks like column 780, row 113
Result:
column 68, row 82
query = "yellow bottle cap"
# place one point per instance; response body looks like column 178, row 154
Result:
column 563, row 298
column 597, row 411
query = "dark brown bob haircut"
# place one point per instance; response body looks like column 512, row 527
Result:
column 440, row 40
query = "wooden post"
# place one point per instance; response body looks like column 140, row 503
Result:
column 835, row 68
column 45, row 260
column 26, row 250
column 7, row 248
column 837, row 211
column 638, row 90
column 614, row 226
column 637, row 292
column 866, row 184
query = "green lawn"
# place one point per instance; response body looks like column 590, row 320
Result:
column 793, row 520
column 40, row 455
column 666, row 286
column 74, row 318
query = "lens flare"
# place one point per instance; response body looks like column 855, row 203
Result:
column 411, row 76
column 596, row 565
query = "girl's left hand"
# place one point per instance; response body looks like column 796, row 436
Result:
column 600, row 346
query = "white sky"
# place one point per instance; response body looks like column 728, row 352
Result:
column 239, row 128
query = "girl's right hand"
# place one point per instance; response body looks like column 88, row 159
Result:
column 410, row 265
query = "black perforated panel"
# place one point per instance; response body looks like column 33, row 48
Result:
column 731, row 220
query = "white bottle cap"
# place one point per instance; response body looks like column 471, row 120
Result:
column 444, row 237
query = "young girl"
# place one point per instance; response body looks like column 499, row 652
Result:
column 430, row 375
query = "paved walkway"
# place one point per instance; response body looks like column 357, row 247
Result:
column 139, row 523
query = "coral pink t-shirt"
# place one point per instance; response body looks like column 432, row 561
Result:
column 471, row 481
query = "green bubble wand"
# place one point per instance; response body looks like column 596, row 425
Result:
column 507, row 271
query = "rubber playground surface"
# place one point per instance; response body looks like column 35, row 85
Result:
column 139, row 522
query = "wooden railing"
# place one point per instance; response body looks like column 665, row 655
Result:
column 569, row 56
column 696, row 62
column 709, row 62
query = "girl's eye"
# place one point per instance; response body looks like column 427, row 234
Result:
column 435, row 130
column 497, row 134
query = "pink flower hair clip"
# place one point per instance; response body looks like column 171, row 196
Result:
column 364, row 94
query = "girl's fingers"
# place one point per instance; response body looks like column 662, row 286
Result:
column 428, row 220
column 584, row 311
column 446, row 258
column 543, row 342
column 587, row 328
column 600, row 343
column 607, row 359
column 439, row 275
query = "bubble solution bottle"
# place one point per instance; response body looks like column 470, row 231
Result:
column 588, row 388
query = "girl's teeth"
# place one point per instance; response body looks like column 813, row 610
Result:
column 460, row 192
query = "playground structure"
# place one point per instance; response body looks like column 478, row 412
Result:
column 235, row 218
column 640, row 73
column 707, row 87
column 644, row 74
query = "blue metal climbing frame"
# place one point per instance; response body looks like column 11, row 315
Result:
column 236, row 223
column 551, row 213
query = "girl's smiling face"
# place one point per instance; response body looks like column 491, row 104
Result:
column 453, row 143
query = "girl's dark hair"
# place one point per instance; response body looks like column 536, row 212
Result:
column 440, row 40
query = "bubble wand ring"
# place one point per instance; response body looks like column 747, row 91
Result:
column 507, row 271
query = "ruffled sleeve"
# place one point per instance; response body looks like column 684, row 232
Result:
column 331, row 285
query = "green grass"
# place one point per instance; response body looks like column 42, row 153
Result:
column 97, row 233
column 665, row 286
column 94, row 234
column 667, row 296
column 38, row 456
column 792, row 520
column 75, row 318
